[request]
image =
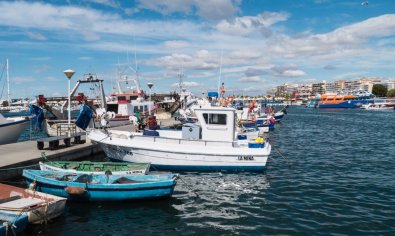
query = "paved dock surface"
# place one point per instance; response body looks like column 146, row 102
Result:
column 14, row 157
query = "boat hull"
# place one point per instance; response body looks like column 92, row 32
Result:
column 344, row 105
column 39, row 207
column 101, row 191
column 19, row 221
column 172, row 158
column 10, row 132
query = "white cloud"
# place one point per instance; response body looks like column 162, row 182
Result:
column 22, row 79
column 41, row 68
column 247, row 24
column 176, row 44
column 36, row 36
column 199, row 61
column 40, row 58
column 51, row 79
column 293, row 73
column 287, row 71
column 345, row 41
column 251, row 79
column 109, row 3
column 196, row 46
column 85, row 58
column 211, row 10
column 350, row 75
column 187, row 84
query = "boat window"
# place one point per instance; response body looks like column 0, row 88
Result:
column 122, row 98
column 338, row 98
column 141, row 108
column 215, row 119
column 145, row 108
column 205, row 116
column 136, row 109
column 330, row 99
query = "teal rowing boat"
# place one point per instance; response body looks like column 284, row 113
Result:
column 88, row 167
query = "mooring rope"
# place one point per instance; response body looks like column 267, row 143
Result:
column 179, row 177
column 189, row 187
column 282, row 155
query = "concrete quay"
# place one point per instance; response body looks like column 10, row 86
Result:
column 14, row 157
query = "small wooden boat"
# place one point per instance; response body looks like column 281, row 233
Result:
column 87, row 167
column 12, row 223
column 39, row 207
column 101, row 187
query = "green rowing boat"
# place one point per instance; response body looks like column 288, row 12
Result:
column 87, row 167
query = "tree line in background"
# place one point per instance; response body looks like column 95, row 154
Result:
column 381, row 91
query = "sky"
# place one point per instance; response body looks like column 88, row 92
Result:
column 250, row 45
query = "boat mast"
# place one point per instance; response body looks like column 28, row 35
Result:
column 8, row 85
column 180, row 75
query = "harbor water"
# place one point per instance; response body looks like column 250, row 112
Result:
column 335, row 177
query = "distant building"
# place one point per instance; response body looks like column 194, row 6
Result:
column 304, row 91
column 318, row 88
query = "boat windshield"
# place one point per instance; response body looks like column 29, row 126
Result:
column 215, row 119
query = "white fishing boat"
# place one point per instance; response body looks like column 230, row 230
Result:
column 211, row 145
column 11, row 128
column 39, row 207
column 380, row 105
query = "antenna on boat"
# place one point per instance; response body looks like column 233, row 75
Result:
column 180, row 76
column 8, row 86
column 220, row 72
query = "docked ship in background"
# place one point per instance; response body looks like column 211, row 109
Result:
column 344, row 101
column 380, row 105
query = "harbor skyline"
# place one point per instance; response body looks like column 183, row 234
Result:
column 255, row 44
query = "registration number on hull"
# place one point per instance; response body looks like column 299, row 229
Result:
column 245, row 158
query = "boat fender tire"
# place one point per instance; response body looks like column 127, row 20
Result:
column 108, row 172
column 74, row 190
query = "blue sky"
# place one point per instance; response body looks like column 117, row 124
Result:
column 258, row 44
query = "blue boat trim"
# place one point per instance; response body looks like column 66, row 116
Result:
column 208, row 168
column 19, row 220
column 155, row 167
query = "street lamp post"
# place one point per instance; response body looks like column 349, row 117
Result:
column 150, row 86
column 69, row 73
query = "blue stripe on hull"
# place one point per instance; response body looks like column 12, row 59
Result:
column 203, row 168
column 208, row 168
column 106, row 194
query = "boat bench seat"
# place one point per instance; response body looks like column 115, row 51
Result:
column 124, row 180
column 9, row 199
column 83, row 179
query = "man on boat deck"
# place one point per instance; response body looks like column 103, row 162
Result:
column 222, row 91
column 152, row 124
